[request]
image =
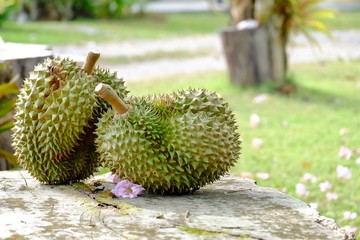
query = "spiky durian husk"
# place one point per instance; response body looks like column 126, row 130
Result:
column 219, row 122
column 203, row 137
column 197, row 100
column 53, row 114
column 130, row 144
column 203, row 146
column 189, row 140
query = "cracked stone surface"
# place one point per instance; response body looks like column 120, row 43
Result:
column 231, row 208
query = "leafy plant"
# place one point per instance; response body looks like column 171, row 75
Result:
column 70, row 9
column 5, row 8
column 7, row 104
column 293, row 16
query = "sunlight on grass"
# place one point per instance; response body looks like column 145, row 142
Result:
column 150, row 27
column 344, row 20
column 153, row 26
column 300, row 132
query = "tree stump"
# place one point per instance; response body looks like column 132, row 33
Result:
column 23, row 57
column 252, row 55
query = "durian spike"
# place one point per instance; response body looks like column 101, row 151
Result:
column 91, row 58
column 107, row 93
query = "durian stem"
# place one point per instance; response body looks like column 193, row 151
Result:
column 107, row 93
column 90, row 61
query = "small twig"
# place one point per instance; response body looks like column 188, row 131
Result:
column 107, row 93
column 186, row 214
column 90, row 61
column 27, row 186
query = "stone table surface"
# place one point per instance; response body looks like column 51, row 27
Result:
column 231, row 208
column 13, row 51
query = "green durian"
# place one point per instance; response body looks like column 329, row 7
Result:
column 169, row 144
column 55, row 118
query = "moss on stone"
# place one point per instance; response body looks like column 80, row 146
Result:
column 63, row 187
column 203, row 232
column 197, row 231
column 106, row 197
column 81, row 186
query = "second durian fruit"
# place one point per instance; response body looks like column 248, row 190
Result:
column 169, row 144
column 55, row 118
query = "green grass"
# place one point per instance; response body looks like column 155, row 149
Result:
column 79, row 31
column 149, row 27
column 300, row 131
column 344, row 20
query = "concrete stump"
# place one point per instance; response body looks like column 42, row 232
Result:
column 23, row 57
column 231, row 208
column 254, row 55
column 247, row 55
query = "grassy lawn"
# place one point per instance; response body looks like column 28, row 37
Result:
column 345, row 20
column 300, row 131
column 149, row 27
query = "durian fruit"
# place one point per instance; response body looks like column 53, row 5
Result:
column 55, row 118
column 203, row 138
column 169, row 144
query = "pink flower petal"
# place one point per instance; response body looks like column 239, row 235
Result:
column 301, row 190
column 313, row 205
column 330, row 196
column 345, row 152
column 246, row 175
column 343, row 172
column 309, row 178
column 260, row 98
column 257, row 142
column 350, row 215
column 127, row 189
column 263, row 175
column 254, row 120
column 113, row 177
column 325, row 186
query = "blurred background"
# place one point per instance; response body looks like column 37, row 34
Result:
column 289, row 70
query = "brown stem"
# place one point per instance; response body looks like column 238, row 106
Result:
column 90, row 61
column 107, row 93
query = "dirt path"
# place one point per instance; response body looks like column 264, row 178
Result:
column 345, row 45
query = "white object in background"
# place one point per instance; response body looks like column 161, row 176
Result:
column 247, row 24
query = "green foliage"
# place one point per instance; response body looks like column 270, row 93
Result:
column 69, row 9
column 296, row 16
column 7, row 104
column 115, row 8
column 5, row 8
column 101, row 8
column 344, row 20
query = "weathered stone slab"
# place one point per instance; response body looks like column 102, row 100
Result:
column 232, row 208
